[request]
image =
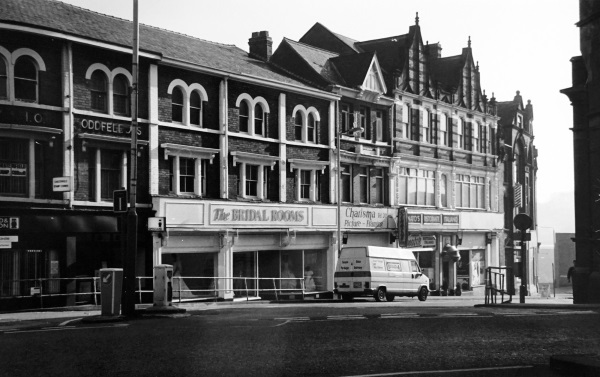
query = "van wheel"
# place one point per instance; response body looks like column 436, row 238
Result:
column 423, row 292
column 380, row 294
column 347, row 297
column 390, row 297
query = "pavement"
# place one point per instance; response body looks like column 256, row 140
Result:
column 562, row 298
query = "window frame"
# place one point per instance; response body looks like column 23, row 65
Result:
column 254, row 122
column 315, row 169
column 96, row 92
column 423, row 185
column 266, row 164
column 201, row 156
column 19, row 82
column 121, row 99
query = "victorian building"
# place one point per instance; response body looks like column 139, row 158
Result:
column 441, row 168
column 520, row 175
column 258, row 166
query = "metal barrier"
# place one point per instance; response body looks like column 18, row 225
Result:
column 495, row 284
column 205, row 288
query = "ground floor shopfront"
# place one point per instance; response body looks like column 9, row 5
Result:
column 49, row 257
column 245, row 250
column 454, row 247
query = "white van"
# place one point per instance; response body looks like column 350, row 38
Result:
column 381, row 272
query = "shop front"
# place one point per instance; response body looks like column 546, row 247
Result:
column 246, row 250
column 454, row 248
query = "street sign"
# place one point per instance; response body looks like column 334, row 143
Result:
column 120, row 201
column 156, row 224
column 522, row 221
column 519, row 236
column 7, row 222
column 61, row 184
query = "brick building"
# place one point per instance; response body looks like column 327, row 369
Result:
column 238, row 152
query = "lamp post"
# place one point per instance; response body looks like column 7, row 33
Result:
column 129, row 259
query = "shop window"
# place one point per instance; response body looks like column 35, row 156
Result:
column 469, row 191
column 177, row 105
column 14, row 166
column 315, row 270
column 26, row 79
column 3, row 79
column 108, row 172
column 121, row 95
column 416, row 186
column 98, row 91
column 244, row 116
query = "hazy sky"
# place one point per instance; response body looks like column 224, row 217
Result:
column 520, row 45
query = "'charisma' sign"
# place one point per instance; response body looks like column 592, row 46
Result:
column 226, row 214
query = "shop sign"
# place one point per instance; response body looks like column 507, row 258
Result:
column 156, row 224
column 13, row 169
column 7, row 222
column 367, row 218
column 37, row 117
column 61, row 184
column 450, row 219
column 9, row 238
column 415, row 218
column 105, row 127
column 432, row 219
column 421, row 241
column 5, row 245
column 226, row 214
column 428, row 241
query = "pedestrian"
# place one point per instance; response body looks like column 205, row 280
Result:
column 571, row 272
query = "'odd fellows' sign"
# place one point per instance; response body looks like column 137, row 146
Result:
column 230, row 214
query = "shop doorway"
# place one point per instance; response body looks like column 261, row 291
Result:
column 244, row 274
column 193, row 275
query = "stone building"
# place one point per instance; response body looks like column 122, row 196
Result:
column 584, row 95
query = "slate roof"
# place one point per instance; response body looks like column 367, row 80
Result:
column 507, row 110
column 318, row 60
column 448, row 70
column 353, row 68
column 57, row 16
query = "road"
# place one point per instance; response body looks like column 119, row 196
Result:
column 361, row 338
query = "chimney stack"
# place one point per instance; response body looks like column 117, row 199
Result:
column 261, row 45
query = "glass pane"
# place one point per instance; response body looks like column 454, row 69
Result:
column 458, row 194
column 244, row 270
column 430, row 192
column 25, row 68
column 258, row 120
column 195, row 108
column 110, row 170
column 402, row 188
column 421, row 191
column 346, row 183
column 315, row 270
column 305, row 184
column 291, row 270
column 298, row 126
column 121, row 95
column 25, row 89
column 251, row 180
column 243, row 116
column 14, row 166
column 311, row 128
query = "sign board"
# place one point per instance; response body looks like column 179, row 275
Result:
column 7, row 222
column 120, row 201
column 9, row 238
column 519, row 236
column 61, row 184
column 157, row 224
column 35, row 291
column 5, row 245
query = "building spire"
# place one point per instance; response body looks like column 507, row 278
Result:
column 469, row 42
column 417, row 19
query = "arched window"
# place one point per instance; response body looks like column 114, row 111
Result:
column 177, row 105
column 121, row 95
column 98, row 91
column 244, row 116
column 26, row 79
column 310, row 128
column 3, row 79
column 259, row 120
column 298, row 126
column 195, row 108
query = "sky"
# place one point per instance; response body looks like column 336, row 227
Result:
column 520, row 45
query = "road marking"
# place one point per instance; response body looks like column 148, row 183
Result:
column 46, row 329
column 441, row 371
column 69, row 321
column 345, row 317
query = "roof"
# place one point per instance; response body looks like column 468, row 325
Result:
column 353, row 68
column 318, row 60
column 507, row 111
column 74, row 21
column 448, row 71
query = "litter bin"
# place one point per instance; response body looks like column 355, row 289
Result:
column 163, row 286
column 111, row 282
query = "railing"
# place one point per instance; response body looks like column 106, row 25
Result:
column 203, row 288
column 495, row 284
